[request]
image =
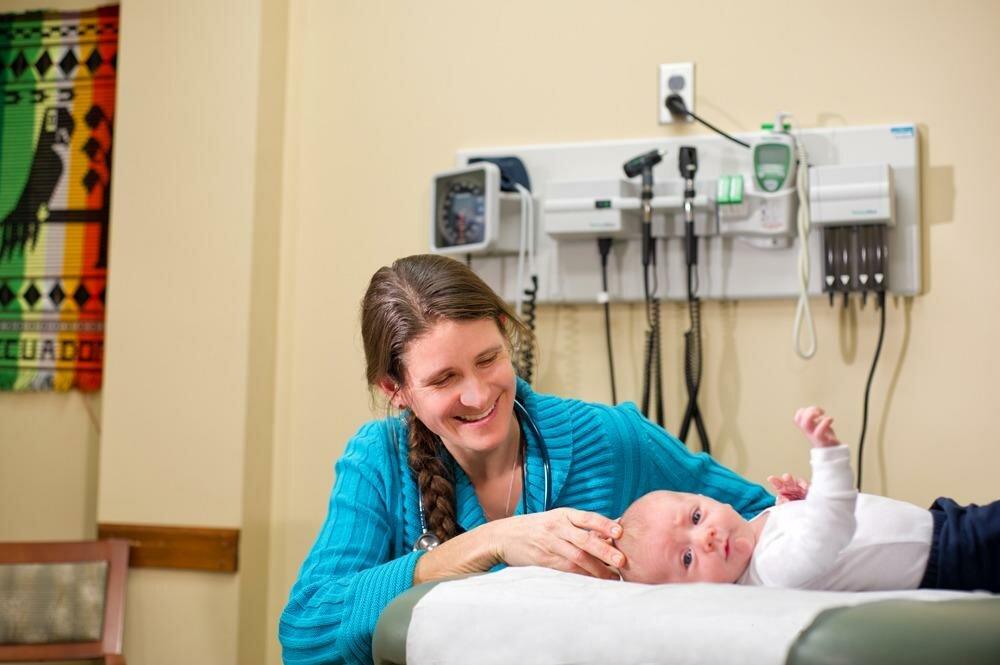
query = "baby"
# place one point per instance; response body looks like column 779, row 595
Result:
column 836, row 539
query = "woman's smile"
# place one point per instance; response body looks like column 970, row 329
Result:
column 479, row 417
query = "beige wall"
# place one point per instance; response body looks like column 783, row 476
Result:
column 48, row 466
column 383, row 97
column 186, row 436
column 254, row 196
column 188, row 394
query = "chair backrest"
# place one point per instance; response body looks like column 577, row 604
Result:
column 62, row 600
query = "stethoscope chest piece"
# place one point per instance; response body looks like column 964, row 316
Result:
column 426, row 542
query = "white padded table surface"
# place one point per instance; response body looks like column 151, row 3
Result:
column 537, row 615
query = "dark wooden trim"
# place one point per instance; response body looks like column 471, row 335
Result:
column 182, row 547
column 42, row 652
column 114, row 602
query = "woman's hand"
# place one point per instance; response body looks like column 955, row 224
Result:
column 564, row 539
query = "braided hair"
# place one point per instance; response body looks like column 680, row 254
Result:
column 402, row 303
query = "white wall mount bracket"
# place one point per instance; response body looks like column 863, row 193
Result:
column 729, row 267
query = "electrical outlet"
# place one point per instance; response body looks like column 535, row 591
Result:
column 676, row 78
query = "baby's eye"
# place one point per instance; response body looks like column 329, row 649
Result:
column 696, row 516
column 687, row 558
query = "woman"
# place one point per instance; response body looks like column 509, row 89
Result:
column 477, row 464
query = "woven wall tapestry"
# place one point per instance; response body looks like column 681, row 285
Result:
column 57, row 80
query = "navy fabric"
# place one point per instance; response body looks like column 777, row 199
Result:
column 965, row 547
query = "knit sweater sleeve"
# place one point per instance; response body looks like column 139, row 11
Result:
column 349, row 575
column 661, row 461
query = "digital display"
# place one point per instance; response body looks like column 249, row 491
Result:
column 773, row 154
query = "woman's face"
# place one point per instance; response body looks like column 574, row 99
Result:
column 460, row 382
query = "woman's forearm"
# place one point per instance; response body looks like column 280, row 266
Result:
column 474, row 551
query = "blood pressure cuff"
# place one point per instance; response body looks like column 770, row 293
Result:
column 536, row 615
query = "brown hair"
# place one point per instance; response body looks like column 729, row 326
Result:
column 402, row 303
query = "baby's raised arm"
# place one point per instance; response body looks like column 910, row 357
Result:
column 814, row 533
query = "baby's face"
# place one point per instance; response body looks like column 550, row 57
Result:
column 671, row 537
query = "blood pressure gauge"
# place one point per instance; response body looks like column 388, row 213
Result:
column 466, row 209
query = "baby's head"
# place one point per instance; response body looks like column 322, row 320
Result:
column 672, row 537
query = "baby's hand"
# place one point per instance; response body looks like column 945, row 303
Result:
column 788, row 488
column 817, row 426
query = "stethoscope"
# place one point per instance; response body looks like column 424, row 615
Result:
column 428, row 541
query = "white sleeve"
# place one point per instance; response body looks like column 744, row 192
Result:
column 818, row 529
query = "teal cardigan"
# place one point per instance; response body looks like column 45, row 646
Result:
column 601, row 459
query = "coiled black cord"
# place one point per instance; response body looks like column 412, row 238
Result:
column 526, row 363
column 652, row 373
column 647, row 369
column 657, row 367
column 868, row 387
column 652, row 377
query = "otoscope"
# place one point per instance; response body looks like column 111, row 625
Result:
column 688, row 164
column 643, row 165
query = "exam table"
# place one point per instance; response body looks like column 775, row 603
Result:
column 536, row 615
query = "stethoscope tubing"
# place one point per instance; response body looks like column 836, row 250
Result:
column 428, row 541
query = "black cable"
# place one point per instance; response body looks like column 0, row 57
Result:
column 647, row 355
column 652, row 374
column 655, row 369
column 868, row 387
column 604, row 248
column 528, row 307
column 675, row 104
column 647, row 369
column 692, row 378
column 657, row 366
column 652, row 377
column 688, row 164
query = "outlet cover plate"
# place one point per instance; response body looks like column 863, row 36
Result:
column 676, row 77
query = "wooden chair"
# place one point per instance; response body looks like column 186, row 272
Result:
column 50, row 604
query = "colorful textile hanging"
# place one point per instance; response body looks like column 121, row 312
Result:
column 57, row 80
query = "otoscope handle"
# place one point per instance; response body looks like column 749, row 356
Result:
column 687, row 162
column 692, row 244
column 647, row 242
column 643, row 165
column 646, row 160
